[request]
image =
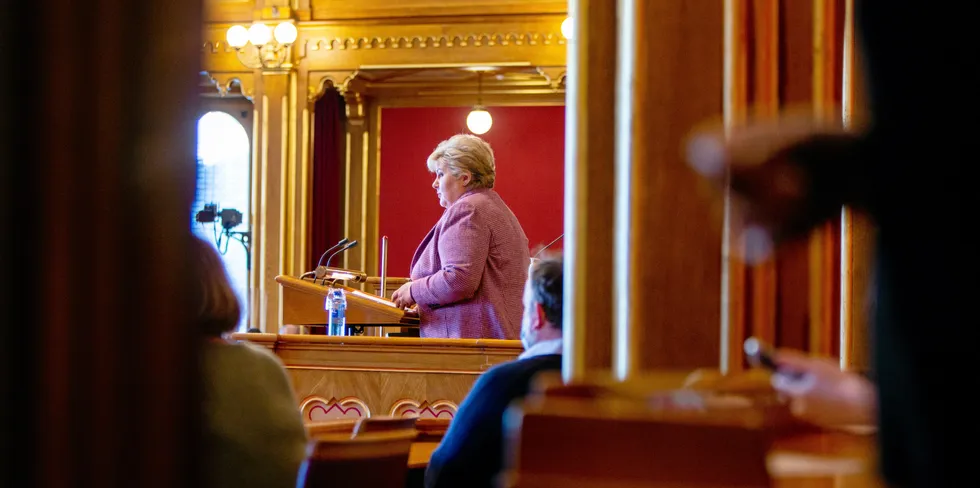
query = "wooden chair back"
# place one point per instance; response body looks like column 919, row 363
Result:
column 316, row 430
column 384, row 424
column 378, row 460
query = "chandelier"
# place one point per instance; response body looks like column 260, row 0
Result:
column 260, row 46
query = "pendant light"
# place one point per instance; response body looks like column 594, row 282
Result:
column 479, row 120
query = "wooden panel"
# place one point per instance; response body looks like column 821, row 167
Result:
column 668, row 239
column 702, row 440
column 785, row 56
column 370, row 9
column 228, row 10
column 385, row 375
column 471, row 356
column 381, row 391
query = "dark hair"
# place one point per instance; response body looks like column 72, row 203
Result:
column 546, row 287
column 217, row 308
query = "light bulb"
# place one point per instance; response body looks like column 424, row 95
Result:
column 237, row 36
column 479, row 121
column 567, row 29
column 259, row 34
column 285, row 33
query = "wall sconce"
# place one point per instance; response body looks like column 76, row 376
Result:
column 567, row 28
column 258, row 46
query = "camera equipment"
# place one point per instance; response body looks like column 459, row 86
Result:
column 230, row 218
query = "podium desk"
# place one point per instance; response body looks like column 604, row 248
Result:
column 303, row 305
column 351, row 377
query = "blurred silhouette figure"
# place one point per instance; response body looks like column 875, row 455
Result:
column 253, row 430
column 908, row 171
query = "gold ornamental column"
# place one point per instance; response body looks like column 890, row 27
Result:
column 270, row 163
column 667, row 254
column 589, row 186
column 857, row 230
column 298, row 178
column 355, row 215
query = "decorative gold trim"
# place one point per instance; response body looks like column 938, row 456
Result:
column 555, row 75
column 495, row 39
column 435, row 408
column 309, row 403
column 423, row 42
column 320, row 81
column 385, row 370
column 216, row 47
column 225, row 81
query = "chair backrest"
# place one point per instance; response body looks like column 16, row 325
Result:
column 331, row 427
column 384, row 424
column 431, row 429
column 372, row 459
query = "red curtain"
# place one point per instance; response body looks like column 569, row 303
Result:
column 327, row 199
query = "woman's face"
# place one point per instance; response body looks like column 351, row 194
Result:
column 448, row 187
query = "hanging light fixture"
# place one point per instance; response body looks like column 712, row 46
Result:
column 479, row 120
column 567, row 28
column 259, row 46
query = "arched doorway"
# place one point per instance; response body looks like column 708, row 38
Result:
column 221, row 208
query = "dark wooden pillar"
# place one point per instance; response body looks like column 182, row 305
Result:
column 668, row 236
column 99, row 134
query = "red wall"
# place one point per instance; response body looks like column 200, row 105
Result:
column 528, row 145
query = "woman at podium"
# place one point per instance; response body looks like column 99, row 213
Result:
column 468, row 273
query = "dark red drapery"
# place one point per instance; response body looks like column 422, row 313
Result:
column 327, row 199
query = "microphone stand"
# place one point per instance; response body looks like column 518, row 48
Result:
column 348, row 246
column 320, row 262
column 328, row 251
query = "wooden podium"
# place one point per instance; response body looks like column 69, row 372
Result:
column 302, row 304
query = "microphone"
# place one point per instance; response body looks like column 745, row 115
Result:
column 338, row 251
column 547, row 246
column 328, row 251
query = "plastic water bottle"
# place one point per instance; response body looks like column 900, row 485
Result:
column 336, row 312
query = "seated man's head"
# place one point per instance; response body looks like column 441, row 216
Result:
column 542, row 302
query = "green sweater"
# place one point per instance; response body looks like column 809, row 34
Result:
column 253, row 430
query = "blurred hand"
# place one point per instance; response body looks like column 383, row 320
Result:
column 821, row 393
column 769, row 192
column 403, row 296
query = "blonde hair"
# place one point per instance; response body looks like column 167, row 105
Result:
column 465, row 153
column 217, row 307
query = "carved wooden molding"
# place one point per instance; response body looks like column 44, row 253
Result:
column 424, row 42
column 318, row 409
column 411, row 408
column 410, row 42
column 225, row 82
column 555, row 75
column 320, row 81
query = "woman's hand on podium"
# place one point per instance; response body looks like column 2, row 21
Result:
column 403, row 296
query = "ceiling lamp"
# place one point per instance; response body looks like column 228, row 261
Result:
column 567, row 28
column 259, row 46
column 479, row 120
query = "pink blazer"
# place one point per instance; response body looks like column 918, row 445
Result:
column 468, row 273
